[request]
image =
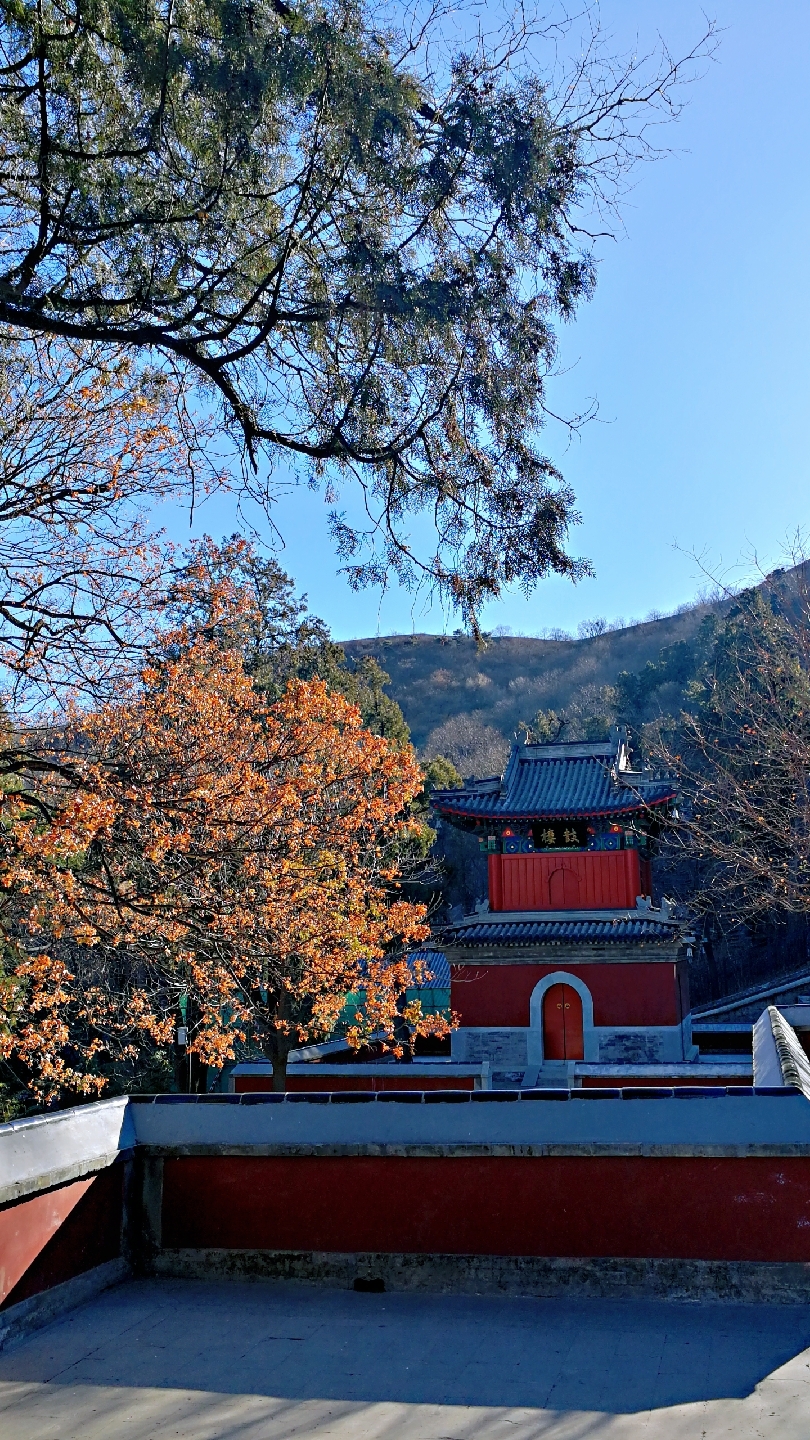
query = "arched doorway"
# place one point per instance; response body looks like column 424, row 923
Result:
column 562, row 1024
column 563, row 890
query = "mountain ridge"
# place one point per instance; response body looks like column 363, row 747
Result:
column 436, row 678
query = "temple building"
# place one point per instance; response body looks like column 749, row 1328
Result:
column 568, row 976
column 568, row 973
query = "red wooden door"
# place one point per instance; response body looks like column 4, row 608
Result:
column 563, row 890
column 562, row 1024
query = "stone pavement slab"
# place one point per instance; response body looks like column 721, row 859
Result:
column 230, row 1361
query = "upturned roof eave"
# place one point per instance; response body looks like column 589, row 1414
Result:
column 668, row 942
column 607, row 915
column 585, row 813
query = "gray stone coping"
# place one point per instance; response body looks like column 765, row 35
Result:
column 693, row 1121
column 49, row 1150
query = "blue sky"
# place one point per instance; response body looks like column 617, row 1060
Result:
column 696, row 347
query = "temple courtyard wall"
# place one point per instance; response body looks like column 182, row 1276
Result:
column 682, row 1194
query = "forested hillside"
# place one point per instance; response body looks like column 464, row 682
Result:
column 441, row 678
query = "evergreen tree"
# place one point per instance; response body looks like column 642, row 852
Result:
column 359, row 254
column 242, row 599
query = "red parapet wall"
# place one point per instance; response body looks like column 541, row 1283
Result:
column 701, row 1208
column 48, row 1238
column 721, row 1179
column 573, row 880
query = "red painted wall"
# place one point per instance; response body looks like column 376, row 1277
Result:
column 244, row 1083
column 684, row 1002
column 673, row 1208
column 602, row 880
column 631, row 994
column 52, row 1237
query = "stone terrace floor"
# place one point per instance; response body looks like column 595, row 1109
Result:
column 158, row 1359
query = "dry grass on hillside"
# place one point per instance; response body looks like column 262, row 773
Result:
column 438, row 677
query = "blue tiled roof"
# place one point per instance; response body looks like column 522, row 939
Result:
column 556, row 782
column 439, row 966
column 556, row 932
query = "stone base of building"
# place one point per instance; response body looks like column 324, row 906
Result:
column 521, row 1047
column 721, row 1281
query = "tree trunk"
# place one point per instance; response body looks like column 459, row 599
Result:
column 402, row 1033
column 277, row 1044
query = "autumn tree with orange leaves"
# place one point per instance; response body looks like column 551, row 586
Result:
column 91, row 442
column 178, row 835
column 193, row 839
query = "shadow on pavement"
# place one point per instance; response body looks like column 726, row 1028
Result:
column 298, row 1343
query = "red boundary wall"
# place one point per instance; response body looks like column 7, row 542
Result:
column 48, row 1238
column 704, row 1208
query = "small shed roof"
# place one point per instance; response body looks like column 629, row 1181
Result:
column 789, row 993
